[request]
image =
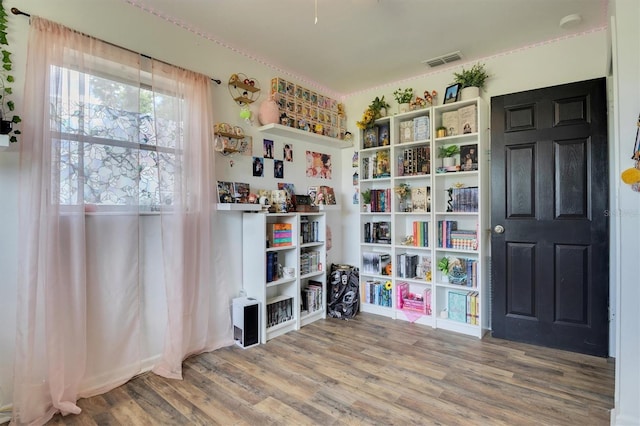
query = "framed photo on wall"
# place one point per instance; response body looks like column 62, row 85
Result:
column 452, row 93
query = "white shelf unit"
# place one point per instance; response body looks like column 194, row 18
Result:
column 414, row 234
column 277, row 292
column 290, row 132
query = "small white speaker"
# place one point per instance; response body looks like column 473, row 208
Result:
column 246, row 322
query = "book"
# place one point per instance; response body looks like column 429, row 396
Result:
column 226, row 192
column 279, row 200
column 451, row 120
column 406, row 131
column 313, row 193
column 370, row 137
column 291, row 195
column 457, row 305
column 469, row 157
column 383, row 167
column 468, row 119
column 241, row 192
column 383, row 135
column 420, row 199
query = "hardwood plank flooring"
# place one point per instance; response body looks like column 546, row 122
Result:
column 369, row 370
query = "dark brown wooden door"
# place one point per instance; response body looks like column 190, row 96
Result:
column 549, row 195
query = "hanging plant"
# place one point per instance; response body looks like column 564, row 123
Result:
column 7, row 106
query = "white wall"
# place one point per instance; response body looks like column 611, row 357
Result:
column 626, row 209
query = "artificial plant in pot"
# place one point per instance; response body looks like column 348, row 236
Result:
column 366, row 199
column 474, row 77
column 443, row 267
column 7, row 117
column 447, row 153
column 403, row 97
column 379, row 106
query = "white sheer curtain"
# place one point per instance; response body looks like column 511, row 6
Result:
column 115, row 219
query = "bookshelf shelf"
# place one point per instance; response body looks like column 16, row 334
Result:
column 412, row 157
column 284, row 298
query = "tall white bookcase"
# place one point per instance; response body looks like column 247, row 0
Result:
column 288, row 300
column 415, row 238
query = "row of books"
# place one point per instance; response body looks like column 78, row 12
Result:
column 449, row 236
column 406, row 300
column 464, row 306
column 414, row 161
column 463, row 199
column 310, row 262
column 279, row 234
column 413, row 266
column 377, row 232
column 311, row 299
column 279, row 312
column 381, row 200
column 309, row 230
column 375, row 263
column 376, row 166
column 420, row 233
column 377, row 293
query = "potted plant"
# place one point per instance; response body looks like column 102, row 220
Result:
column 403, row 97
column 474, row 78
column 443, row 267
column 447, row 153
column 7, row 118
column 366, row 200
column 379, row 106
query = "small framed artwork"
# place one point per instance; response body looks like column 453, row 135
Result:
column 452, row 93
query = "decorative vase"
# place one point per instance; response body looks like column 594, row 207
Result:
column 269, row 113
column 448, row 161
column 404, row 107
column 382, row 112
column 469, row 93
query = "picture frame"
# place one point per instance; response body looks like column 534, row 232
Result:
column 452, row 93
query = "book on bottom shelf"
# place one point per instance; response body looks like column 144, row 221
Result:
column 279, row 311
column 463, row 306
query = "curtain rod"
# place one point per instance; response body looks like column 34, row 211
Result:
column 17, row 11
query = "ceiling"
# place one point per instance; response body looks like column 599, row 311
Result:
column 361, row 44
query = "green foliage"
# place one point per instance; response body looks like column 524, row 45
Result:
column 443, row 264
column 377, row 104
column 6, row 105
column 403, row 96
column 473, row 77
column 366, row 196
column 448, row 151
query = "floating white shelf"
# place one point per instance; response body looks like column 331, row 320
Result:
column 290, row 132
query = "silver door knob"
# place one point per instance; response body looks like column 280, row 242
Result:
column 499, row 229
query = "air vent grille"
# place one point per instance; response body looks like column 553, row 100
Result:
column 444, row 59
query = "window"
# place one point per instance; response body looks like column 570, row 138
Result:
column 114, row 146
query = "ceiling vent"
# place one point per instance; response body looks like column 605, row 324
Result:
column 444, row 59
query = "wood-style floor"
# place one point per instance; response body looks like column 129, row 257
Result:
column 367, row 371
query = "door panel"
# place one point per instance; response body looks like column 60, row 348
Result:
column 550, row 192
